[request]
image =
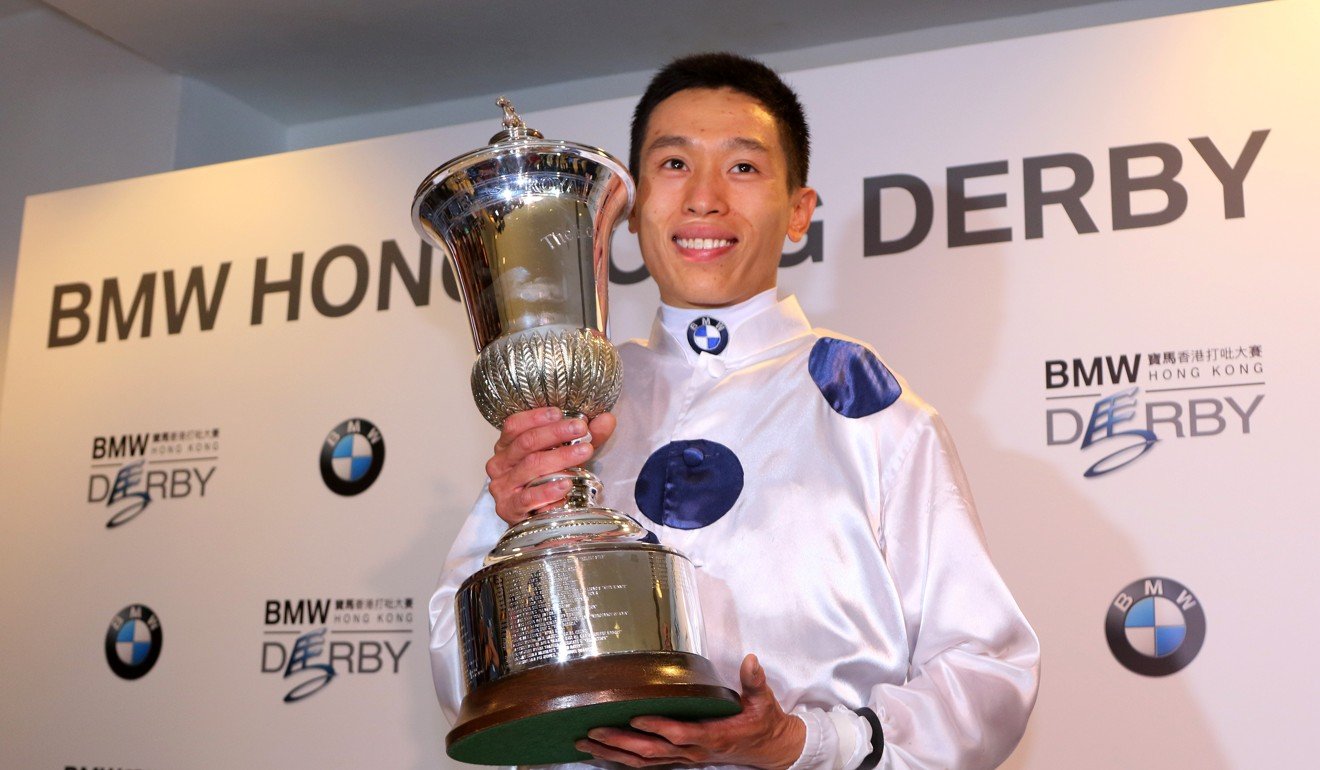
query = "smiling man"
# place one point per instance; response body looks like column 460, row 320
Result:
column 717, row 194
column 844, row 578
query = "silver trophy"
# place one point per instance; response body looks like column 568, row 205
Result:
column 575, row 621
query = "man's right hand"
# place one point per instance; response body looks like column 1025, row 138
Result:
column 531, row 445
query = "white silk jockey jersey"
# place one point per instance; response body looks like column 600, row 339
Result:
column 833, row 535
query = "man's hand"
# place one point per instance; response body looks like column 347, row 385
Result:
column 531, row 445
column 761, row 736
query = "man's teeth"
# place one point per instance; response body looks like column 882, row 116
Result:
column 703, row 243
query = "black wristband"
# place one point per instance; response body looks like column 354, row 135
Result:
column 877, row 739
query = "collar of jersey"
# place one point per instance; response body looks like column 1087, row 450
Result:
column 755, row 335
column 677, row 319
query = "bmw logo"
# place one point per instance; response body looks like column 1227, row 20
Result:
column 352, row 456
column 1155, row 626
column 707, row 335
column 132, row 644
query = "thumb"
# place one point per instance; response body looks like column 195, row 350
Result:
column 601, row 428
column 752, row 678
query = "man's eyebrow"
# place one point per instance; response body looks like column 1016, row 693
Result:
column 734, row 143
column 746, row 143
column 668, row 140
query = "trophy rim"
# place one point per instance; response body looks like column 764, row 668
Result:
column 545, row 553
column 517, row 148
column 549, row 526
column 510, row 159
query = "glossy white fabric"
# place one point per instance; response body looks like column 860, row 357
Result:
column 676, row 319
column 853, row 563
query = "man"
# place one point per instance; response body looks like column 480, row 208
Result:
column 819, row 499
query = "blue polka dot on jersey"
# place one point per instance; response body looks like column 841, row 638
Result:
column 851, row 378
column 689, row 484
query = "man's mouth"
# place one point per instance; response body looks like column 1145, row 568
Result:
column 703, row 244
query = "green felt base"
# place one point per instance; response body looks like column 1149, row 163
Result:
column 549, row 737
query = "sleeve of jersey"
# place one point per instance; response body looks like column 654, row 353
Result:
column 474, row 541
column 974, row 659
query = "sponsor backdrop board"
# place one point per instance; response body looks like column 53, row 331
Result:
column 237, row 435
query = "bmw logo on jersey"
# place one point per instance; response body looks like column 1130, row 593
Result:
column 708, row 335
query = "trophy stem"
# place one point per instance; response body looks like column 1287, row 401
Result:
column 584, row 492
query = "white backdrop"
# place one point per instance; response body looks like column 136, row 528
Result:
column 1215, row 305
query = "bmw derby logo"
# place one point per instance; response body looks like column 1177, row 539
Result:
column 352, row 456
column 707, row 335
column 1155, row 626
column 132, row 644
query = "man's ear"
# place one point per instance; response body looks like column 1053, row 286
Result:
column 632, row 220
column 803, row 202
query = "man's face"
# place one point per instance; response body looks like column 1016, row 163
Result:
column 713, row 198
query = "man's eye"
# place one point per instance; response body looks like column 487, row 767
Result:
column 674, row 164
column 744, row 168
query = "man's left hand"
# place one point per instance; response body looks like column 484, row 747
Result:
column 761, row 736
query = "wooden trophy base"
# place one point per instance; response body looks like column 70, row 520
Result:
column 535, row 717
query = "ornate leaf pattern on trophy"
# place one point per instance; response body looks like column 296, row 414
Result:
column 522, row 362
column 559, row 378
column 575, row 370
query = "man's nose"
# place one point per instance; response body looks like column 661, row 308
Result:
column 705, row 194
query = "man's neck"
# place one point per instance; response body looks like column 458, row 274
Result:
column 676, row 319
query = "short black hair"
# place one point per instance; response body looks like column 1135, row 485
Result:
column 741, row 74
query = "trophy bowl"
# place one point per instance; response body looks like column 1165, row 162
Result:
column 578, row 619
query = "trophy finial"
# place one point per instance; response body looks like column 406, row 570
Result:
column 514, row 127
column 511, row 119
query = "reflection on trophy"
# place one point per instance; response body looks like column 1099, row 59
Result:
column 575, row 621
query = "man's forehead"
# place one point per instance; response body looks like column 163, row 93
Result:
column 728, row 118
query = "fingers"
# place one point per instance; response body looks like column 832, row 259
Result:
column 515, row 444
column 555, row 457
column 636, row 749
column 515, row 496
column 532, row 444
column 516, row 505
column 601, row 751
column 678, row 733
column 522, row 421
column 548, row 461
column 762, row 735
